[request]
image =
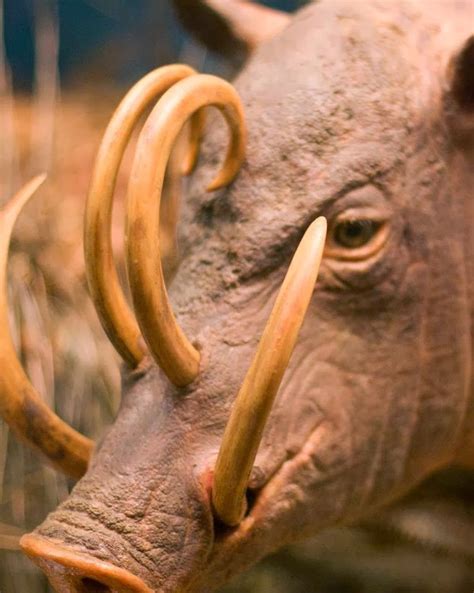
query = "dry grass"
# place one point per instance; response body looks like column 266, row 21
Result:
column 62, row 346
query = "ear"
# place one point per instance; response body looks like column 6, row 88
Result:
column 232, row 28
column 460, row 96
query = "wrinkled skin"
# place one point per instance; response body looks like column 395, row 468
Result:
column 347, row 113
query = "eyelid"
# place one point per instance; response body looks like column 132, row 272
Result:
column 366, row 251
column 360, row 214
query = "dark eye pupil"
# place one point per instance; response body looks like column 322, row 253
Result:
column 354, row 233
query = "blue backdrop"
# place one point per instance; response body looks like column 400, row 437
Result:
column 126, row 37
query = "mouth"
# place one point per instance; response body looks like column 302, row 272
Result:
column 270, row 508
column 72, row 570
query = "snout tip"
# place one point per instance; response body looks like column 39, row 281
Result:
column 69, row 571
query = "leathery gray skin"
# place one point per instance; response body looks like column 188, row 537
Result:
column 350, row 113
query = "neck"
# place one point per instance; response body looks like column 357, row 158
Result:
column 465, row 452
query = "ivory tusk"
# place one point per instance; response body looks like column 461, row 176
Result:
column 20, row 404
column 196, row 127
column 107, row 294
column 253, row 404
column 171, row 349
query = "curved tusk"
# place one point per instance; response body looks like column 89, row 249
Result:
column 169, row 210
column 20, row 404
column 196, row 127
column 109, row 299
column 169, row 346
column 254, row 402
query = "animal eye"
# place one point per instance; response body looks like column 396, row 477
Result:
column 351, row 238
column 352, row 234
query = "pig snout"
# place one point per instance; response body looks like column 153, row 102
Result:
column 74, row 572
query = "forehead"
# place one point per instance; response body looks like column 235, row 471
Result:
column 339, row 89
column 329, row 106
column 339, row 66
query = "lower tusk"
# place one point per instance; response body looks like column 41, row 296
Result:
column 254, row 402
column 20, row 404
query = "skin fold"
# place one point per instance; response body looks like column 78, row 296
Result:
column 352, row 114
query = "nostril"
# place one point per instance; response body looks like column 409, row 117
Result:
column 70, row 571
column 93, row 586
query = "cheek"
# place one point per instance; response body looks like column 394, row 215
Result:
column 365, row 288
column 403, row 367
column 377, row 270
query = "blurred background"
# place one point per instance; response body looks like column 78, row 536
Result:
column 64, row 64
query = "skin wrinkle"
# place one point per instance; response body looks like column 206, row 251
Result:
column 297, row 459
column 111, row 553
column 300, row 454
column 146, row 488
column 76, row 533
column 250, row 275
column 416, row 412
column 463, row 297
column 293, row 382
column 429, row 352
column 290, row 386
column 306, row 454
column 280, row 251
column 339, row 443
column 376, row 464
column 296, row 225
column 120, row 528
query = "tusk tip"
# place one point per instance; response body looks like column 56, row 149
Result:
column 213, row 186
column 40, row 178
column 189, row 162
column 320, row 224
column 31, row 186
column 13, row 208
column 223, row 178
column 188, row 165
column 317, row 231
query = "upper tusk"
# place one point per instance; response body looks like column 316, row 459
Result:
column 20, row 404
column 196, row 127
column 253, row 404
column 169, row 346
column 107, row 294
